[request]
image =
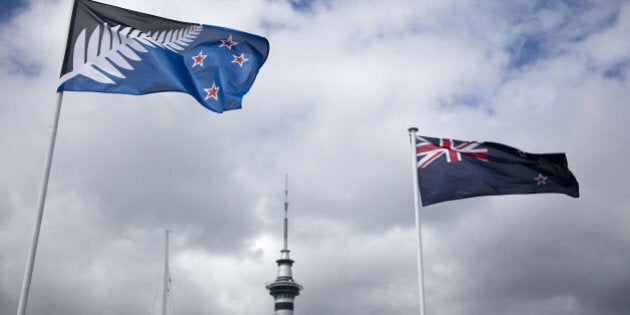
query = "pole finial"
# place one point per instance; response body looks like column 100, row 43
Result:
column 413, row 129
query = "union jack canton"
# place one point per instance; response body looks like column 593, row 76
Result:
column 428, row 151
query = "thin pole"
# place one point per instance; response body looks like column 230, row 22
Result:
column 166, row 274
column 416, row 193
column 30, row 260
column 286, row 213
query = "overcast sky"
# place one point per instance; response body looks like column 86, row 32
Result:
column 330, row 107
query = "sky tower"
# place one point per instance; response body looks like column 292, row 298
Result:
column 284, row 289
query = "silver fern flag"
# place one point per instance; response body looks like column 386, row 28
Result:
column 115, row 50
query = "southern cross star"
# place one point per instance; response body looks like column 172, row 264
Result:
column 228, row 42
column 199, row 59
column 212, row 92
column 239, row 59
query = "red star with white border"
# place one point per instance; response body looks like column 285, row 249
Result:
column 199, row 59
column 212, row 92
column 541, row 180
column 228, row 42
column 239, row 59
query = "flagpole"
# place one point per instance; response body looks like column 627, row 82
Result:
column 166, row 274
column 416, row 197
column 30, row 261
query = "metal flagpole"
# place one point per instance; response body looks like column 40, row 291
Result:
column 166, row 274
column 416, row 193
column 30, row 261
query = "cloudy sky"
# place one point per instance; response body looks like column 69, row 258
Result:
column 331, row 107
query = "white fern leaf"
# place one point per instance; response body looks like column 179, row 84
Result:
column 120, row 61
column 175, row 41
column 99, row 59
column 78, row 57
column 137, row 46
column 161, row 38
column 145, row 41
column 108, row 49
column 169, row 36
column 129, row 53
column 135, row 33
column 174, row 46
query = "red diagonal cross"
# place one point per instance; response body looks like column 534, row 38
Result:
column 429, row 152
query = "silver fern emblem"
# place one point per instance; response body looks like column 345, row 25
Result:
column 102, row 53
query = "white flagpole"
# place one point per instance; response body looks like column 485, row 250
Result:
column 30, row 261
column 166, row 274
column 416, row 193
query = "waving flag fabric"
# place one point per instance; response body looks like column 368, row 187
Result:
column 452, row 169
column 116, row 50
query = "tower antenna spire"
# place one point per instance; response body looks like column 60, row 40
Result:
column 284, row 289
column 286, row 213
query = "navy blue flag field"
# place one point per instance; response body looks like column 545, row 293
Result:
column 451, row 169
column 115, row 50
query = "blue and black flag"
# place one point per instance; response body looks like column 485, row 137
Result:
column 115, row 50
column 451, row 169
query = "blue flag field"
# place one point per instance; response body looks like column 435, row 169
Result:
column 451, row 169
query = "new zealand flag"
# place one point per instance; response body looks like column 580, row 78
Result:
column 452, row 169
column 115, row 50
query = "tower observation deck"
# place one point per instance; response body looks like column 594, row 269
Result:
column 284, row 289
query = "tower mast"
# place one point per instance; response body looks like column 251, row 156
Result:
column 286, row 213
column 284, row 289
